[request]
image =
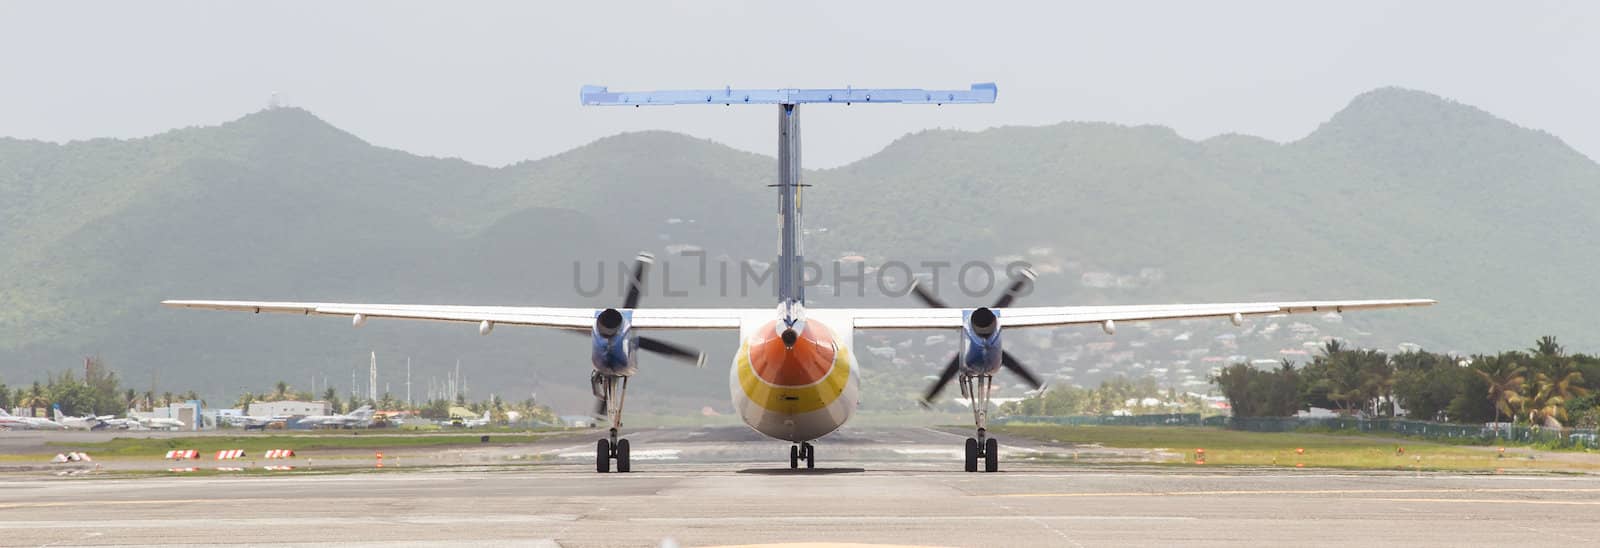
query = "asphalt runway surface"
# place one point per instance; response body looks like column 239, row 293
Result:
column 725, row 485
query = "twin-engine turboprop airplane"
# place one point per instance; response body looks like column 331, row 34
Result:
column 795, row 375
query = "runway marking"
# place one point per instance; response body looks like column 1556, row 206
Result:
column 163, row 522
column 1504, row 501
column 899, row 519
column 1306, row 492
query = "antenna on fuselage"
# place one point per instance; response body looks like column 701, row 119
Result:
column 791, row 262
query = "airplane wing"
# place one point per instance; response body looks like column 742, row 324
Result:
column 539, row 316
column 862, row 318
column 1045, row 316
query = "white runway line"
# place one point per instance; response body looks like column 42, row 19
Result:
column 295, row 522
column 759, row 520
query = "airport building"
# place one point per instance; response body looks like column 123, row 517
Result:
column 289, row 408
column 187, row 413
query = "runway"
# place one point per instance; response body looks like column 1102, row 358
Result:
column 861, row 493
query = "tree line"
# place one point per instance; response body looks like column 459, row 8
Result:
column 99, row 392
column 1542, row 385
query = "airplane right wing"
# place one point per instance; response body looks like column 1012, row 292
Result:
column 1044, row 316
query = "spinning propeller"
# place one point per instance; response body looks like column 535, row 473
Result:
column 983, row 322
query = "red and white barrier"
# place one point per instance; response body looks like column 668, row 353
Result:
column 277, row 468
column 181, row 454
column 229, row 469
column 189, row 469
column 278, row 453
column 230, row 454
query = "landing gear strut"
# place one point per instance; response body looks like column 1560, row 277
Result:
column 611, row 389
column 976, row 389
column 802, row 452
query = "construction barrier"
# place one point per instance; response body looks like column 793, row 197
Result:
column 380, row 459
column 182, row 454
column 71, row 457
column 277, row 468
column 189, row 469
column 230, row 454
column 229, row 469
column 278, row 453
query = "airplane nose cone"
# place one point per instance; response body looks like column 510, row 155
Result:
column 791, row 358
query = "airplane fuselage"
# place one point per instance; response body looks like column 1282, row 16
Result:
column 797, row 392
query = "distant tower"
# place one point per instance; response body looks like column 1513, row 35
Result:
column 408, row 381
column 372, row 379
column 273, row 102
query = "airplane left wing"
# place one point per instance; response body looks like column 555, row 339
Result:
column 1044, row 316
column 538, row 316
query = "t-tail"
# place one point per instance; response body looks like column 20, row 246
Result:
column 791, row 260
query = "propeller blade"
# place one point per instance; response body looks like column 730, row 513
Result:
column 1021, row 370
column 641, row 264
column 1018, row 284
column 924, row 296
column 944, row 379
column 674, row 351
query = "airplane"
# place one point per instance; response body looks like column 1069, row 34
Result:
column 474, row 423
column 795, row 376
column 86, row 422
column 252, row 422
column 159, row 423
column 28, row 423
column 360, row 418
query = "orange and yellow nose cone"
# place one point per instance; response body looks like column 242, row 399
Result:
column 806, row 363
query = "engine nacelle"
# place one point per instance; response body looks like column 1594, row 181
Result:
column 611, row 349
column 1109, row 326
column 359, row 320
column 1237, row 319
column 983, row 352
column 485, row 327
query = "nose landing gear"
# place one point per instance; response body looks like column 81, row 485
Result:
column 802, row 452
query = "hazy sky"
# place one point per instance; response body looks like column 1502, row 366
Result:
column 497, row 83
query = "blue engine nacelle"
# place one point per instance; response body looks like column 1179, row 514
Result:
column 612, row 349
column 983, row 354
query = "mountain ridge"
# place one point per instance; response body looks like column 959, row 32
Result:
column 281, row 205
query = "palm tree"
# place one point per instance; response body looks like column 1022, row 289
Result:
column 280, row 392
column 1505, row 379
column 1547, row 401
column 1546, row 347
column 35, row 399
column 244, row 400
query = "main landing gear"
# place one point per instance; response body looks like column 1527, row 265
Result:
column 803, row 451
column 609, row 389
column 983, row 447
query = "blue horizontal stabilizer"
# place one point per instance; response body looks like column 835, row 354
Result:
column 600, row 96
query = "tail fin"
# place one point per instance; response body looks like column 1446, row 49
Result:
column 486, row 416
column 57, row 409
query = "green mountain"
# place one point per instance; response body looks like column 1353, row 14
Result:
column 1401, row 194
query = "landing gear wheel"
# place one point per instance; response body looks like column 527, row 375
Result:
column 622, row 457
column 991, row 455
column 811, row 455
column 972, row 455
column 602, row 456
column 794, row 457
